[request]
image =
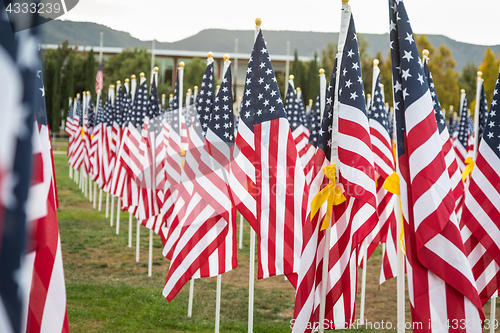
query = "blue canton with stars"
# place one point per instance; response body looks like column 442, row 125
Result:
column 325, row 131
column 222, row 120
column 303, row 115
column 377, row 111
column 463, row 125
column 154, row 111
column 108, row 112
column 351, row 91
column 79, row 111
column 262, row 96
column 100, row 113
column 206, row 97
column 314, row 121
column 174, row 104
column 483, row 112
column 140, row 105
column 118, row 112
column 292, row 108
column 441, row 123
column 91, row 115
column 491, row 133
column 408, row 76
column 127, row 107
column 172, row 114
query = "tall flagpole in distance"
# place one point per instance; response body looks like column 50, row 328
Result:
column 287, row 66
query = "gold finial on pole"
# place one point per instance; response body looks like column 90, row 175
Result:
column 78, row 95
column 163, row 95
column 171, row 95
column 226, row 57
column 310, row 100
column 181, row 64
column 321, row 71
column 368, row 95
column 189, row 90
column 291, row 77
column 111, row 86
column 118, row 82
column 127, row 80
column 156, row 69
column 195, row 87
column 479, row 73
column 142, row 74
column 375, row 62
column 425, row 52
column 133, row 77
column 345, row 2
column 258, row 21
column 210, row 55
column 462, row 91
column 381, row 86
column 298, row 89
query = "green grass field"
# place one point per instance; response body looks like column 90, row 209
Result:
column 108, row 291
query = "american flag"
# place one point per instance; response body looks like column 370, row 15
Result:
column 46, row 303
column 107, row 165
column 315, row 125
column 279, row 174
column 384, row 166
column 99, row 80
column 19, row 65
column 298, row 125
column 483, row 112
column 97, row 146
column 457, row 185
column 201, row 242
column 481, row 212
column 440, row 281
column 461, row 143
column 307, row 299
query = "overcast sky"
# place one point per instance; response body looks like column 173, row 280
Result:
column 472, row 21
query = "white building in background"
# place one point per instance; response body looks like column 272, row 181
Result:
column 167, row 60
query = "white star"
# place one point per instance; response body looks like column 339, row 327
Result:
column 260, row 96
column 27, row 50
column 405, row 93
column 266, row 102
column 355, row 65
column 350, row 54
column 267, row 87
column 490, row 135
column 269, row 71
column 397, row 86
column 354, row 95
column 409, row 38
column 348, row 83
column 247, row 103
column 261, row 80
column 273, row 93
column 249, row 70
column 407, row 55
column 264, row 50
column 393, row 25
column 42, row 90
column 329, row 100
column 259, row 112
column 262, row 65
column 494, row 102
column 406, row 74
column 491, row 124
column 421, row 79
column 272, row 109
column 249, row 80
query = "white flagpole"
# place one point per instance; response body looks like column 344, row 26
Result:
column 479, row 85
column 129, row 229
column 251, row 279
column 94, row 203
column 118, row 209
column 112, row 215
column 107, row 204
column 137, row 240
column 99, row 206
column 240, row 245
column 235, row 73
column 150, row 261
column 217, row 303
column 163, row 97
column 133, row 87
column 180, row 78
column 322, row 92
column 190, row 301
column 493, row 302
column 363, row 283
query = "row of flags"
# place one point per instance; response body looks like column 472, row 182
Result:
column 32, row 289
column 314, row 187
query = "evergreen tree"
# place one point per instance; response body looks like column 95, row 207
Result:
column 69, row 78
column 311, row 85
column 467, row 81
column 297, row 71
column 90, row 73
column 193, row 73
column 328, row 59
column 56, row 94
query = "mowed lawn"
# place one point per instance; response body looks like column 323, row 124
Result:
column 108, row 291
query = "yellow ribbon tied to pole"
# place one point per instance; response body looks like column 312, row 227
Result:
column 469, row 166
column 332, row 194
column 82, row 131
column 391, row 184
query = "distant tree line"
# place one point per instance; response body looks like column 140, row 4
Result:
column 68, row 72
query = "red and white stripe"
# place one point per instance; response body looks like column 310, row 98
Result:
column 281, row 199
column 438, row 271
column 480, row 217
